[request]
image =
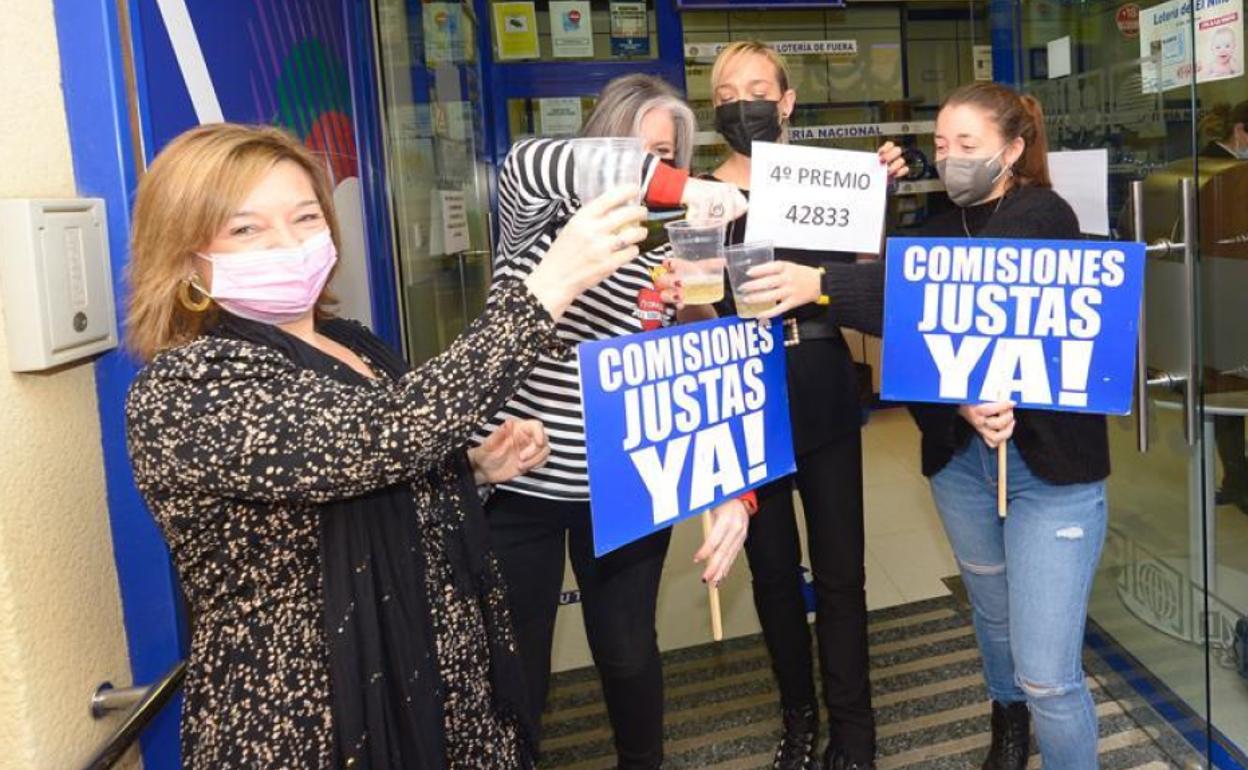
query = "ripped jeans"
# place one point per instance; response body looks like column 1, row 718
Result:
column 1029, row 578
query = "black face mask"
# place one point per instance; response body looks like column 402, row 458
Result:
column 742, row 122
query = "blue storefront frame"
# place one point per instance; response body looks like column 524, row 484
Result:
column 91, row 41
column 94, row 37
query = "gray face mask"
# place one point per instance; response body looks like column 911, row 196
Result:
column 969, row 180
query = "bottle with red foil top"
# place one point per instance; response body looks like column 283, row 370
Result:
column 651, row 310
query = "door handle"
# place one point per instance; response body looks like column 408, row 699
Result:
column 1190, row 393
column 141, row 704
column 1141, row 343
column 1187, row 380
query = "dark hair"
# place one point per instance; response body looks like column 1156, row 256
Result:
column 1015, row 115
column 1220, row 121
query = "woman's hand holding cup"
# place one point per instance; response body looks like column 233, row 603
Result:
column 597, row 241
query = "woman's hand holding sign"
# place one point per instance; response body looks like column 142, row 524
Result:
column 994, row 422
column 730, row 524
column 890, row 155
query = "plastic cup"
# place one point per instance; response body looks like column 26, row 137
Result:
column 697, row 259
column 740, row 259
column 603, row 163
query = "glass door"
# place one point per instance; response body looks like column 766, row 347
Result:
column 1220, row 115
column 1117, row 78
column 437, row 166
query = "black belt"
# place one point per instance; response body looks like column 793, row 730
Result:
column 796, row 331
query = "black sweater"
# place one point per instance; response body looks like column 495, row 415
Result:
column 1059, row 447
column 823, row 386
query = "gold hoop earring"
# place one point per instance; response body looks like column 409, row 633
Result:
column 184, row 295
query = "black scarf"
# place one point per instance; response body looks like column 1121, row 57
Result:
column 385, row 692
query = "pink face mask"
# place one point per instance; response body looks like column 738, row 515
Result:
column 273, row 286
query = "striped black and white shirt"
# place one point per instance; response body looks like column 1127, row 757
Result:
column 535, row 199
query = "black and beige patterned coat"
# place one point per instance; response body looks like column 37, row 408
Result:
column 236, row 448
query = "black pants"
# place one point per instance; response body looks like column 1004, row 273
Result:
column 1228, row 434
column 619, row 593
column 829, row 480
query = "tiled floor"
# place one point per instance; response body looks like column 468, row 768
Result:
column 1150, row 519
column 907, row 552
column 721, row 709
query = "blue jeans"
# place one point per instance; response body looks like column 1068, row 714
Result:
column 1029, row 578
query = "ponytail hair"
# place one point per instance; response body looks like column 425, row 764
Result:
column 1015, row 116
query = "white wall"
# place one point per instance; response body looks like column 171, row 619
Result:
column 60, row 613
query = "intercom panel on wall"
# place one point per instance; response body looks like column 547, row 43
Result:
column 56, row 286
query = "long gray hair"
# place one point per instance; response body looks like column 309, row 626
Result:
column 626, row 101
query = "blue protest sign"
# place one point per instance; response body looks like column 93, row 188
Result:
column 1047, row 324
column 679, row 420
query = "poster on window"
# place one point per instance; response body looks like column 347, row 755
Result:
column 1169, row 54
column 981, row 62
column 446, row 34
column 559, row 115
column 571, row 29
column 630, row 29
column 515, row 31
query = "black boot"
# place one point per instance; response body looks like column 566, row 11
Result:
column 1011, row 737
column 836, row 759
column 798, row 744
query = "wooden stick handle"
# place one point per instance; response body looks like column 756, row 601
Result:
column 1002, row 481
column 712, row 590
column 1003, row 485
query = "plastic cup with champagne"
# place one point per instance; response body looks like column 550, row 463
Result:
column 698, row 259
column 740, row 259
column 604, row 163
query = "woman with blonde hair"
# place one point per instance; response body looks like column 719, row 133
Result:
column 754, row 102
column 319, row 499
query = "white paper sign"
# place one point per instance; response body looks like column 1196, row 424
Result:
column 981, row 61
column 571, row 29
column 560, row 116
column 847, row 48
column 1059, row 57
column 1081, row 177
column 454, row 221
column 816, row 198
column 838, row 131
